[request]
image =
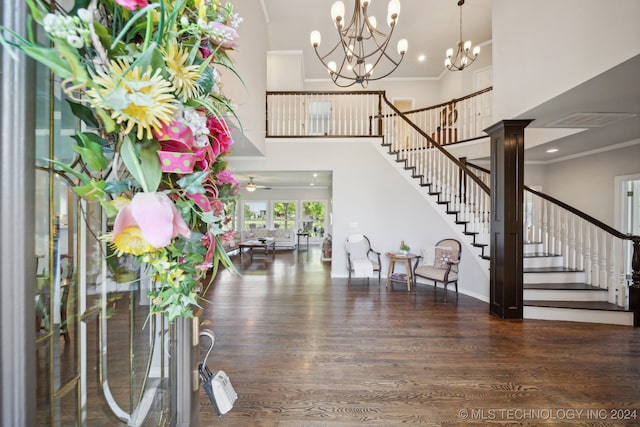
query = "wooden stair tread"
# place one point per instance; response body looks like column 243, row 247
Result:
column 584, row 305
column 563, row 286
column 551, row 270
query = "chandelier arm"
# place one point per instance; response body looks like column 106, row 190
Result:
column 359, row 41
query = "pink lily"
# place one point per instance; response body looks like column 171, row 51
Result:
column 155, row 215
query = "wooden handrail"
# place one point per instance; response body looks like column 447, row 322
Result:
column 571, row 209
column 444, row 104
column 585, row 216
column 433, row 142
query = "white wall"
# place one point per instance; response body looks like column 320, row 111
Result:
column 251, row 64
column 587, row 183
column 454, row 84
column 424, row 92
column 371, row 196
column 541, row 48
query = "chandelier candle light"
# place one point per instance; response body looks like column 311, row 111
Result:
column 462, row 57
column 357, row 55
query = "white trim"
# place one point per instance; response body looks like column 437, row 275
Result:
column 284, row 52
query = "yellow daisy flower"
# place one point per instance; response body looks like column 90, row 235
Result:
column 134, row 97
column 183, row 77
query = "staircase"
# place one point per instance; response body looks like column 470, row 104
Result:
column 555, row 292
column 575, row 267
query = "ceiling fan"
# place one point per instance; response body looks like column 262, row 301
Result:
column 251, row 186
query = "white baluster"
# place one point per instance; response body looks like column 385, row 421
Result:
column 595, row 255
column 572, row 242
column 604, row 256
column 587, row 253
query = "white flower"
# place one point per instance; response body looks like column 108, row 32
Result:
column 50, row 22
column 75, row 41
column 85, row 15
column 184, row 21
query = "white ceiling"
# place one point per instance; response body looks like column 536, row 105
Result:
column 430, row 26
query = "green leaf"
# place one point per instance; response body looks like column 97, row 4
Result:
column 91, row 152
column 84, row 113
column 151, row 163
column 192, row 183
column 50, row 59
column 70, row 56
column 152, row 57
column 82, row 177
column 109, row 209
column 143, row 163
column 114, row 187
column 108, row 123
column 94, row 190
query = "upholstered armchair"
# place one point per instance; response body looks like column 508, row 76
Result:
column 362, row 260
column 445, row 266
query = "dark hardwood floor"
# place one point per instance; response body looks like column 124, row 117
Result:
column 303, row 349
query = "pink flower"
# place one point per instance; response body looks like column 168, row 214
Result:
column 220, row 140
column 226, row 177
column 223, row 35
column 228, row 236
column 133, row 4
column 155, row 215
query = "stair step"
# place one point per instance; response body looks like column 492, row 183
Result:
column 552, row 275
column 579, row 292
column 529, row 261
column 584, row 305
column 578, row 286
column 578, row 311
column 480, row 245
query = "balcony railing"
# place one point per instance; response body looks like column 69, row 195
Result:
column 361, row 113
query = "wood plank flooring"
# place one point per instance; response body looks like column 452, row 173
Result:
column 303, row 349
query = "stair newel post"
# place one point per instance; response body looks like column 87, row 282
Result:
column 634, row 287
column 507, row 214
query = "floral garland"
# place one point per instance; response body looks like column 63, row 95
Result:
column 143, row 77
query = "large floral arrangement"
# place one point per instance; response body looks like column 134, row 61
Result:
column 144, row 79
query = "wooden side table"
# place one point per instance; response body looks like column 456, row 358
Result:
column 405, row 259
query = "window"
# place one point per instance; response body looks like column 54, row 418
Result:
column 319, row 117
column 255, row 214
column 313, row 218
column 284, row 215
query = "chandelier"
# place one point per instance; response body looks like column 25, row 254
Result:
column 356, row 58
column 462, row 57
